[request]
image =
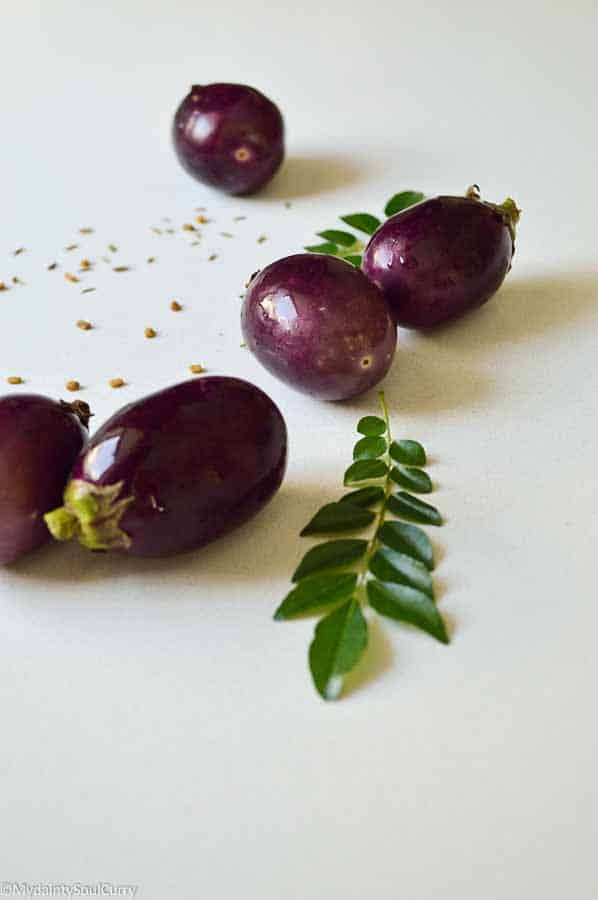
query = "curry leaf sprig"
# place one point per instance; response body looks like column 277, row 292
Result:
column 390, row 570
column 350, row 247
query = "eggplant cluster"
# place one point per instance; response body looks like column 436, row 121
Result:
column 165, row 474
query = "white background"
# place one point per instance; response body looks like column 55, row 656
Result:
column 157, row 727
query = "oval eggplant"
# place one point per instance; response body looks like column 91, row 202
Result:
column 442, row 257
column 175, row 470
column 40, row 439
column 229, row 136
column 318, row 323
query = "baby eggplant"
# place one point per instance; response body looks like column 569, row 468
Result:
column 40, row 439
column 442, row 257
column 229, row 136
column 320, row 325
column 175, row 470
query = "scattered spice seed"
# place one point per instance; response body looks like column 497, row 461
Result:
column 156, row 230
column 175, row 306
column 71, row 247
column 262, row 238
column 18, row 251
column 287, row 204
column 116, row 383
column 170, row 231
column 73, row 386
column 16, row 280
column 151, row 259
column 194, row 243
column 188, row 227
column 239, row 218
column 226, row 234
column 87, row 290
column 70, row 277
column 86, row 230
column 242, row 346
column 202, row 220
column 14, row 379
column 4, row 287
column 149, row 333
column 112, row 248
column 85, row 264
column 196, row 369
column 84, row 325
column 121, row 269
column 52, row 266
column 212, row 257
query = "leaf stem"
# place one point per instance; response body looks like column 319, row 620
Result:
column 379, row 522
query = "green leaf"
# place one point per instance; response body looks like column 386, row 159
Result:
column 363, row 469
column 366, row 496
column 315, row 592
column 402, row 201
column 408, row 539
column 328, row 248
column 338, row 517
column 397, row 601
column 409, row 507
column 339, row 641
column 410, row 453
column 354, row 259
column 330, row 555
column 343, row 238
column 362, row 221
column 389, row 565
column 371, row 426
column 414, row 479
column 369, row 448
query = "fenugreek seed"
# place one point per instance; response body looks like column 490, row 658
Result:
column 14, row 379
column 212, row 257
column 86, row 230
column 73, row 386
column 170, row 231
column 188, row 227
column 175, row 306
column 16, row 280
column 202, row 220
column 151, row 259
column 70, row 277
column 71, row 247
column 52, row 266
column 156, row 230
column 84, row 265
column 116, row 383
column 149, row 333
column 226, row 234
column 120, row 269
column 112, row 248
column 87, row 290
column 239, row 218
column 196, row 369
column 262, row 238
column 84, row 325
column 3, row 287
column 18, row 251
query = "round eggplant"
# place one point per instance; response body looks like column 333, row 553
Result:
column 175, row 470
column 40, row 439
column 229, row 136
column 320, row 325
column 442, row 257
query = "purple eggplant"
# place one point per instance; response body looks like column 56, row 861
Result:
column 40, row 439
column 318, row 323
column 229, row 136
column 175, row 470
column 442, row 257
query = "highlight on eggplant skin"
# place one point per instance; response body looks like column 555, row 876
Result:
column 175, row 470
column 40, row 439
column 442, row 257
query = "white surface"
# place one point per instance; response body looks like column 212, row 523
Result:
column 157, row 727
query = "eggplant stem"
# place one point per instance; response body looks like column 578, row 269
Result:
column 91, row 514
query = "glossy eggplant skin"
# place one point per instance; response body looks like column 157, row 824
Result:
column 187, row 464
column 318, row 324
column 229, row 136
column 438, row 259
column 40, row 439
